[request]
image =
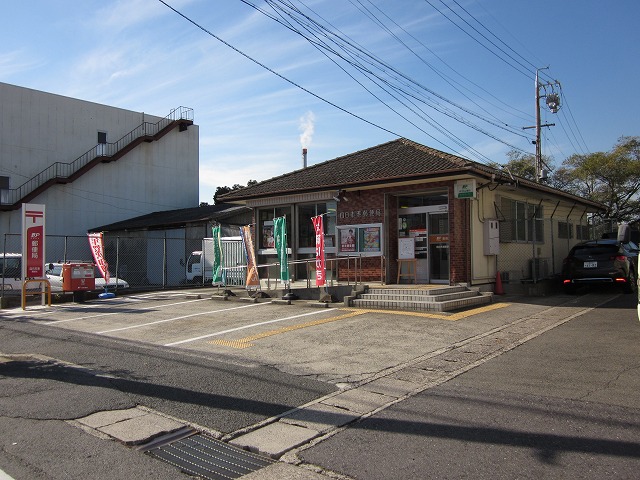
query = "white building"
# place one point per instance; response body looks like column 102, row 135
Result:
column 91, row 164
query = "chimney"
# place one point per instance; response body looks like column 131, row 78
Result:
column 304, row 158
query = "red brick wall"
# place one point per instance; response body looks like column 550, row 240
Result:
column 350, row 212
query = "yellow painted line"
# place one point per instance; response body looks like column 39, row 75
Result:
column 452, row 317
column 246, row 341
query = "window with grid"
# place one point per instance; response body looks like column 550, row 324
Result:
column 522, row 221
column 565, row 230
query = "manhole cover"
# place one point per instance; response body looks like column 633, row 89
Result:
column 209, row 458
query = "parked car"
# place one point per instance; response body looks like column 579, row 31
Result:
column 601, row 262
column 54, row 274
column 11, row 271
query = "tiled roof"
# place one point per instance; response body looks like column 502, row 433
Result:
column 175, row 218
column 395, row 160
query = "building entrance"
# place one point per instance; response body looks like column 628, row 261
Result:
column 428, row 226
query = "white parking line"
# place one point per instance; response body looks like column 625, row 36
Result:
column 120, row 312
column 242, row 328
column 180, row 318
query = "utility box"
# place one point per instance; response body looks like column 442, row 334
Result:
column 77, row 277
column 491, row 237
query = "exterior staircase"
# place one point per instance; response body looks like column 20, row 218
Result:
column 61, row 173
column 427, row 299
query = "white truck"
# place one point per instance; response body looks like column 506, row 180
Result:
column 199, row 265
column 201, row 261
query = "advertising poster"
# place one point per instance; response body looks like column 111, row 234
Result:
column 268, row 238
column 370, row 239
column 347, row 240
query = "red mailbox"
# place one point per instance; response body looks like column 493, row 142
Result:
column 78, row 277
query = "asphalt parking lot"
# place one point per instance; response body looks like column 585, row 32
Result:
column 337, row 345
column 389, row 368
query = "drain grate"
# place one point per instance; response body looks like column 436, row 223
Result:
column 209, row 458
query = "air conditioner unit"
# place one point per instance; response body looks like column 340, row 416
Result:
column 539, row 268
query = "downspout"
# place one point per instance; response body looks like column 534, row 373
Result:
column 567, row 221
column 533, row 243
column 553, row 248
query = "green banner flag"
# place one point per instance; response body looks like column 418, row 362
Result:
column 280, row 234
column 217, row 256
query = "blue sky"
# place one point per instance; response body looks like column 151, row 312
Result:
column 474, row 60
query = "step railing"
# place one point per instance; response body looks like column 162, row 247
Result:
column 61, row 170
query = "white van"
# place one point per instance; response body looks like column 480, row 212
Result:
column 11, row 271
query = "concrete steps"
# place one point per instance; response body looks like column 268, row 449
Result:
column 428, row 299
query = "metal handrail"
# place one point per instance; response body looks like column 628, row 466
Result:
column 65, row 170
column 357, row 275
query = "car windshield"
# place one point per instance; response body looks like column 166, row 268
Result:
column 595, row 250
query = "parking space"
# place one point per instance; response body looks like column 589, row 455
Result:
column 334, row 344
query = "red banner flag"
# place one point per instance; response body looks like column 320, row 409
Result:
column 320, row 262
column 97, row 249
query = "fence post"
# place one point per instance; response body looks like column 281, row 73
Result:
column 117, row 259
column 164, row 261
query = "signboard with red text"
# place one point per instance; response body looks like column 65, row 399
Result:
column 33, row 241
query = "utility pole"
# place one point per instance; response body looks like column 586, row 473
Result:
column 553, row 103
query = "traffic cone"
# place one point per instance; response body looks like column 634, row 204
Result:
column 498, row 290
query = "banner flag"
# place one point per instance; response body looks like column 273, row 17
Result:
column 280, row 233
column 217, row 256
column 252, row 267
column 97, row 249
column 320, row 261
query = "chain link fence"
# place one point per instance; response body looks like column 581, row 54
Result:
column 143, row 262
column 535, row 249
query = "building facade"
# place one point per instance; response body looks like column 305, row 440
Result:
column 91, row 164
column 402, row 204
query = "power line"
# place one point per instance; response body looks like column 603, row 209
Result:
column 248, row 57
column 358, row 55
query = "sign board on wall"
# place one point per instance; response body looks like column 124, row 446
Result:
column 33, row 241
column 465, row 188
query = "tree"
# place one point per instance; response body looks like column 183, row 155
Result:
column 522, row 164
column 222, row 190
column 611, row 178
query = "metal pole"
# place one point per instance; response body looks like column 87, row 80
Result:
column 538, row 144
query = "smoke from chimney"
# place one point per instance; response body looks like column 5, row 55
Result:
column 307, row 127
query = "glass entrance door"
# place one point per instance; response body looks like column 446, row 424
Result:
column 414, row 225
column 425, row 218
column 439, row 247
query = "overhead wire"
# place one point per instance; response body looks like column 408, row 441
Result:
column 449, row 79
column 408, row 93
column 429, row 120
column 348, row 46
column 248, row 57
column 572, row 124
